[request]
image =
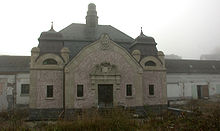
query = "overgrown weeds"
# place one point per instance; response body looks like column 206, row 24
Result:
column 115, row 120
column 122, row 120
column 13, row 120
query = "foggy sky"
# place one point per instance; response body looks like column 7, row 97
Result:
column 187, row 28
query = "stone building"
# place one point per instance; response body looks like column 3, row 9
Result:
column 91, row 65
column 97, row 66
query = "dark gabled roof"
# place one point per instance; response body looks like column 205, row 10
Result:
column 145, row 44
column 50, row 35
column 81, row 32
column 14, row 64
column 143, row 39
column 75, row 47
column 193, row 66
column 77, row 36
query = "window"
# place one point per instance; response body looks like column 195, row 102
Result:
column 150, row 63
column 25, row 88
column 129, row 90
column 151, row 89
column 49, row 90
column 79, row 90
column 50, row 62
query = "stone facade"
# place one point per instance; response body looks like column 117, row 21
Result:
column 159, row 80
column 101, row 62
column 42, row 75
column 108, row 71
column 80, row 72
column 44, row 78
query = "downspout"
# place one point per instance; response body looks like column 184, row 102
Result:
column 64, row 79
column 64, row 103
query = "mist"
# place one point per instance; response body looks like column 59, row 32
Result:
column 187, row 28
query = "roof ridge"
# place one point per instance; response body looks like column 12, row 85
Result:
column 75, row 23
column 70, row 25
column 121, row 32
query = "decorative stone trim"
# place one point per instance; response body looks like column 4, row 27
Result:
column 80, row 98
column 105, row 42
column 136, row 54
column 129, row 97
column 49, row 98
column 151, row 96
column 105, row 72
column 39, row 62
column 67, row 70
column 111, row 45
column 159, row 65
column 24, row 95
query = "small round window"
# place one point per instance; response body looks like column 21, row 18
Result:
column 150, row 63
column 50, row 62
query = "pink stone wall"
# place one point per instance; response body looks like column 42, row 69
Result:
column 49, row 77
column 158, row 79
column 82, row 71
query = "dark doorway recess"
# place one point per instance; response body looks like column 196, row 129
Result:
column 202, row 91
column 105, row 95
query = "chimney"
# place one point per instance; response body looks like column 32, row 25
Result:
column 91, row 18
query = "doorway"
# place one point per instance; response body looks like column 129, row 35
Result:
column 105, row 95
column 202, row 91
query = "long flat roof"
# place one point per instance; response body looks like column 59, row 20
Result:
column 16, row 64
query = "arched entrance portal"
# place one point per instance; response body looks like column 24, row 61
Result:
column 105, row 80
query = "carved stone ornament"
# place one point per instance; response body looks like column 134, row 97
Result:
column 105, row 73
column 105, row 69
column 105, row 41
column 67, row 70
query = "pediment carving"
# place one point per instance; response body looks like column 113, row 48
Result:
column 104, row 68
column 105, row 42
column 105, row 72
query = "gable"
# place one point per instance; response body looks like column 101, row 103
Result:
column 104, row 45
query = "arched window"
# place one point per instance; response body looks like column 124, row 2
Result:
column 150, row 63
column 50, row 62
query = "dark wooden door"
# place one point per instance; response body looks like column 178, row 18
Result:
column 205, row 91
column 105, row 95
